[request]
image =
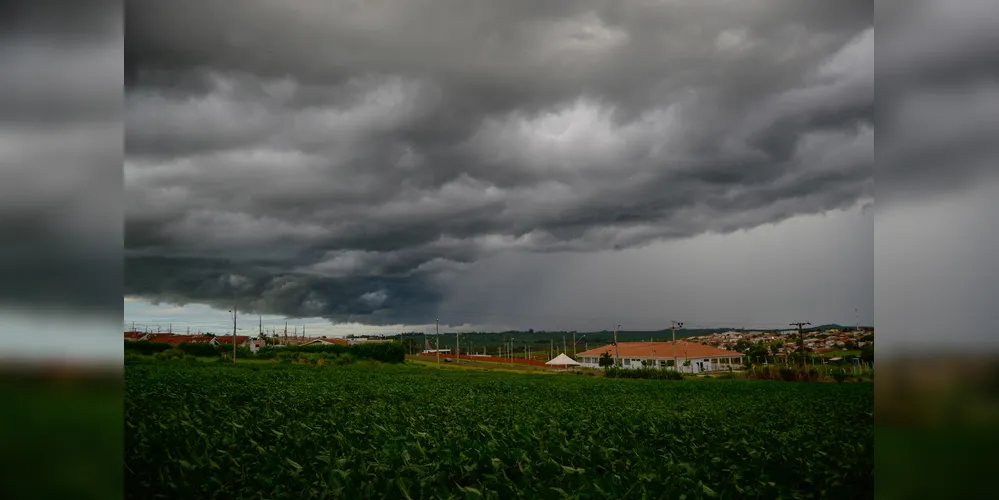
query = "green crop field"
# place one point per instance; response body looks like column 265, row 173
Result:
column 212, row 430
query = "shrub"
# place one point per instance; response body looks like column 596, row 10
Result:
column 839, row 376
column 605, row 360
column 269, row 352
column 201, row 349
column 642, row 373
column 145, row 347
column 787, row 373
column 241, row 352
column 170, row 354
column 386, row 352
column 344, row 359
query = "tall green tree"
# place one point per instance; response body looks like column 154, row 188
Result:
column 605, row 360
column 867, row 352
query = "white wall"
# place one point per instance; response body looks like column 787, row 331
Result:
column 712, row 364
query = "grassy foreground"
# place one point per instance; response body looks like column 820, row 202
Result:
column 288, row 431
column 60, row 438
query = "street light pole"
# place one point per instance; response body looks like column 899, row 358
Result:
column 576, row 341
column 617, row 348
column 801, row 339
column 674, row 325
column 234, row 333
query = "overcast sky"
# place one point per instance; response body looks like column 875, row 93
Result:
column 372, row 166
column 563, row 165
column 569, row 164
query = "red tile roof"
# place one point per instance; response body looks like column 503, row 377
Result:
column 660, row 349
column 134, row 335
column 328, row 341
column 174, row 339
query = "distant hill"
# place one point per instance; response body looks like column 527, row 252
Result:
column 834, row 326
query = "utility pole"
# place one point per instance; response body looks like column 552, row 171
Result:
column 260, row 318
column 551, row 349
column 188, row 330
column 285, row 332
column 457, row 347
column 234, row 333
column 563, row 343
column 801, row 339
column 617, row 348
column 437, row 342
column 170, row 328
column 574, row 345
column 673, row 326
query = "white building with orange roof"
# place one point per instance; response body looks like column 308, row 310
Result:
column 690, row 356
column 326, row 341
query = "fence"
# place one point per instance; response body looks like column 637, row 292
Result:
column 853, row 368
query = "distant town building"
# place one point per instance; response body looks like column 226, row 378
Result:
column 176, row 339
column 435, row 351
column 691, row 357
column 326, row 341
column 134, row 336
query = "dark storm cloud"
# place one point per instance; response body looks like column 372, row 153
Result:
column 937, row 112
column 256, row 286
column 938, row 98
column 364, row 149
column 60, row 154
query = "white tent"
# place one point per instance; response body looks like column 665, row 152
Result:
column 562, row 361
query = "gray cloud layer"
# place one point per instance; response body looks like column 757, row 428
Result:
column 937, row 236
column 60, row 154
column 341, row 159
